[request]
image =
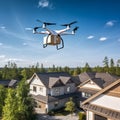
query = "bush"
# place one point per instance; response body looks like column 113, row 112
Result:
column 82, row 116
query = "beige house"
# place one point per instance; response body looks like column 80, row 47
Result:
column 51, row 90
column 91, row 83
column 105, row 104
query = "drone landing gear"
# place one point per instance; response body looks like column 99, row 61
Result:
column 57, row 46
column 54, row 41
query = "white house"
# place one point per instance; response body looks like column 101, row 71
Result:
column 51, row 90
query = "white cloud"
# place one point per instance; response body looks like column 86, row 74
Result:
column 2, row 27
column 1, row 44
column 2, row 56
column 90, row 37
column 45, row 4
column 110, row 23
column 103, row 38
column 28, row 29
column 13, row 60
column 25, row 44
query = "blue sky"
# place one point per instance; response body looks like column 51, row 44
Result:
column 98, row 35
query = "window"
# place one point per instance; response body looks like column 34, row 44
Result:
column 68, row 89
column 41, row 89
column 86, row 95
column 34, row 88
column 56, row 104
column 56, row 90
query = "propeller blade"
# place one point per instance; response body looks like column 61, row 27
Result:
column 75, row 29
column 46, row 23
column 35, row 28
column 69, row 23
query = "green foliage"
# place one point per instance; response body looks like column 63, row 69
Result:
column 70, row 106
column 18, row 104
column 10, row 108
column 3, row 92
column 24, row 102
column 82, row 116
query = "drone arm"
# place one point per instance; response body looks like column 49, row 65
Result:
column 42, row 32
column 62, row 31
column 67, row 33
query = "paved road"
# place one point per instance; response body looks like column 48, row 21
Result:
column 47, row 117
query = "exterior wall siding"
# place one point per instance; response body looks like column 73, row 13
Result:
column 71, row 86
column 36, row 82
column 92, row 86
column 90, row 115
column 61, row 103
column 56, row 91
column 106, row 101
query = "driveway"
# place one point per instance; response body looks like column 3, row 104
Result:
column 47, row 117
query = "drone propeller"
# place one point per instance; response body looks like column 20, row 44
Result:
column 35, row 28
column 46, row 23
column 75, row 29
column 69, row 23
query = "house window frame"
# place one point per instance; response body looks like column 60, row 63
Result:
column 56, row 103
column 41, row 89
column 86, row 95
column 57, row 91
column 68, row 89
column 34, row 89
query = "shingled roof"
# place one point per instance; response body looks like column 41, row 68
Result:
column 9, row 83
column 101, row 79
column 110, row 113
column 53, row 78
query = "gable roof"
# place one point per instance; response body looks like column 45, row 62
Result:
column 97, row 109
column 52, row 78
column 101, row 79
column 64, row 79
column 101, row 92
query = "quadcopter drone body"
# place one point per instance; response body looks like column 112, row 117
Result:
column 54, row 36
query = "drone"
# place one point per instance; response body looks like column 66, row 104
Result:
column 53, row 37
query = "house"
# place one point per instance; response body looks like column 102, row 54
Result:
column 9, row 83
column 51, row 90
column 105, row 104
column 92, row 82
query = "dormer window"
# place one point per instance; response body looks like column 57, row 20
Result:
column 56, row 90
column 68, row 89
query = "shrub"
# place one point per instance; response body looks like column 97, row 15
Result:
column 82, row 116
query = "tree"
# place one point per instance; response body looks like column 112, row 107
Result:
column 70, row 106
column 77, row 71
column 106, row 62
column 2, row 97
column 118, row 68
column 86, row 68
column 10, row 108
column 112, row 68
column 25, row 103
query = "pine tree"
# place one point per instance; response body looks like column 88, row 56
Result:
column 106, row 64
column 2, row 97
column 10, row 108
column 70, row 106
column 25, row 102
